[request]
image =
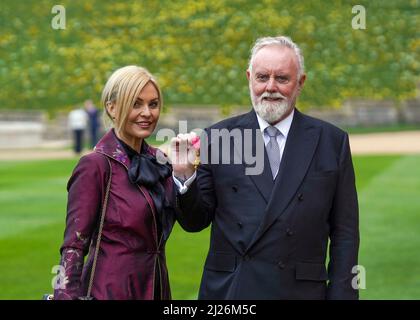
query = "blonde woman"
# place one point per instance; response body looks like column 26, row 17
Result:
column 136, row 207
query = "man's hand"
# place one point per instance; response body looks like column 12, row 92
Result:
column 184, row 150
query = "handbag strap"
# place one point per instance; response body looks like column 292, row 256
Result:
column 101, row 225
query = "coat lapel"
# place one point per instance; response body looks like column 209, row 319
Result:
column 110, row 147
column 264, row 181
column 298, row 153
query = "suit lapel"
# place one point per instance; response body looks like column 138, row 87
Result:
column 264, row 181
column 298, row 153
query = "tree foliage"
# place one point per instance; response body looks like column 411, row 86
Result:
column 199, row 50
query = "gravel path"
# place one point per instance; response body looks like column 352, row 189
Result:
column 403, row 142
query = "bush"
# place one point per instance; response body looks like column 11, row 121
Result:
column 199, row 49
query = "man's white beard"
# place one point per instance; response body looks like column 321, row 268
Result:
column 270, row 111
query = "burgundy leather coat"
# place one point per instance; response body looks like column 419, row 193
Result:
column 131, row 257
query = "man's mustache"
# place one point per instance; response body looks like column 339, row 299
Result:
column 272, row 95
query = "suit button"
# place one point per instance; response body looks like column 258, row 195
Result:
column 247, row 257
column 235, row 188
column 281, row 265
column 289, row 232
column 240, row 225
column 300, row 196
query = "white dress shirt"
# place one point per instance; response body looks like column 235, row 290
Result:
column 283, row 126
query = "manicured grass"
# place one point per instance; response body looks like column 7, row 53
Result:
column 186, row 253
column 33, row 204
column 378, row 129
column 26, row 260
column 389, row 227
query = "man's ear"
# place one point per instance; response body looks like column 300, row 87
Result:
column 302, row 81
column 248, row 74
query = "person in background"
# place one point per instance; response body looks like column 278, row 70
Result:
column 139, row 214
column 77, row 122
column 94, row 123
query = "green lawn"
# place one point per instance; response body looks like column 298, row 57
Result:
column 381, row 129
column 33, row 202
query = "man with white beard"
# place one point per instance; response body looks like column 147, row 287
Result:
column 271, row 232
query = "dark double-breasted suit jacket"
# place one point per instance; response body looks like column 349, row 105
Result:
column 269, row 239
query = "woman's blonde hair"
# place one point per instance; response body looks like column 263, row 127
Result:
column 123, row 88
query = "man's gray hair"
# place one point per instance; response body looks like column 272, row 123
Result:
column 279, row 41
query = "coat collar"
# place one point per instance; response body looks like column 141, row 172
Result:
column 111, row 147
column 283, row 126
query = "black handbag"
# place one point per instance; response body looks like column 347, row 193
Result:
column 88, row 296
